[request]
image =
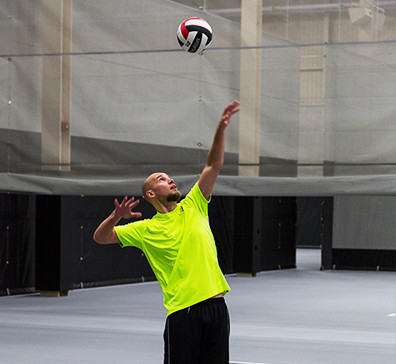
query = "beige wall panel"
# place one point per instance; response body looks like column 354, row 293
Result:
column 312, row 88
column 312, row 119
column 250, row 88
column 310, row 149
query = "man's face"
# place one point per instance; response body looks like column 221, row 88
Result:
column 164, row 187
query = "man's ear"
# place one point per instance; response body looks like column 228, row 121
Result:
column 150, row 193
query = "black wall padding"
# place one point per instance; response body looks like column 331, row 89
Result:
column 264, row 234
column 221, row 218
column 279, row 228
column 315, row 226
column 69, row 258
column 17, row 224
column 364, row 259
column 327, row 232
column 67, row 255
column 309, row 221
column 247, row 235
column 49, row 266
column 251, row 233
column 100, row 264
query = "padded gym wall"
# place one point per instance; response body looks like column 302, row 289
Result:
column 17, row 251
column 264, row 234
column 314, row 226
column 222, row 223
column 60, row 253
column 364, row 232
column 67, row 256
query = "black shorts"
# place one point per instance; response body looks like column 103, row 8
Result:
column 198, row 334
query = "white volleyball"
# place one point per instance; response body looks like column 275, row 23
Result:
column 194, row 35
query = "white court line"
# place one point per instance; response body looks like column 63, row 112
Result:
column 392, row 315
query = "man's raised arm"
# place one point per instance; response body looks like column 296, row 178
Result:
column 216, row 154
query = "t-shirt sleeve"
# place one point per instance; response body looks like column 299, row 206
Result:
column 195, row 199
column 131, row 234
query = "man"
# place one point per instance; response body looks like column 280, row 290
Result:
column 180, row 248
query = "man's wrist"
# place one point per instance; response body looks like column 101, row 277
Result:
column 114, row 217
column 222, row 125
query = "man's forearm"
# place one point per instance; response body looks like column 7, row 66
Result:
column 216, row 152
column 104, row 232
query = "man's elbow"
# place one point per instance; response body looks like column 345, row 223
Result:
column 103, row 239
column 96, row 238
column 99, row 239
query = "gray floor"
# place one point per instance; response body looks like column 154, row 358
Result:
column 280, row 317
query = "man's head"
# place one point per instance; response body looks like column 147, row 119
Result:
column 160, row 187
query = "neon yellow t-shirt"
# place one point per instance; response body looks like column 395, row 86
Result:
column 181, row 250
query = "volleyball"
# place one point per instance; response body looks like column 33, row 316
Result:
column 194, row 35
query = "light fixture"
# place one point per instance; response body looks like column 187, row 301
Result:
column 365, row 11
column 360, row 15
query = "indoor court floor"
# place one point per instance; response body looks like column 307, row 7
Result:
column 296, row 316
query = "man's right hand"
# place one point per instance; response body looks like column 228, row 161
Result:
column 105, row 233
column 124, row 210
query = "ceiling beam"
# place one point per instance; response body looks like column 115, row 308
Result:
column 312, row 8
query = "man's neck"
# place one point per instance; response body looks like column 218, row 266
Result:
column 164, row 208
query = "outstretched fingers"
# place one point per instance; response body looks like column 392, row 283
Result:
column 135, row 215
column 232, row 105
column 132, row 203
column 124, row 209
column 230, row 110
